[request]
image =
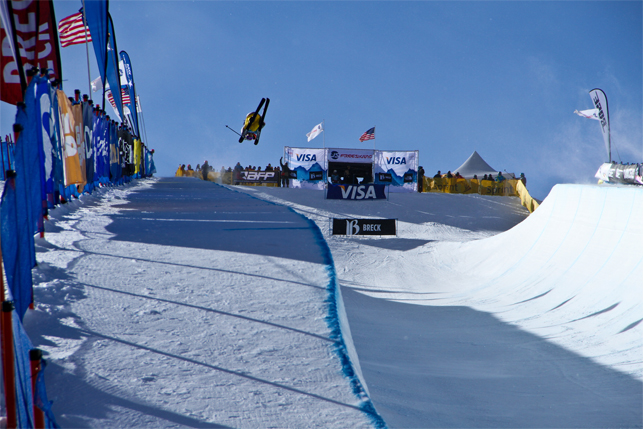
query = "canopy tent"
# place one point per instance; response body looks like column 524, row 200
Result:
column 478, row 166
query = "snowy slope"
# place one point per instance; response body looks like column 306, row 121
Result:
column 178, row 303
column 454, row 329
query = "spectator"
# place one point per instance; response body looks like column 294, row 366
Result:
column 438, row 175
column 347, row 175
column 180, row 172
column 205, row 170
column 458, row 175
column 285, row 179
column 269, row 168
column 500, row 178
column 475, row 177
column 334, row 178
column 523, row 179
column 449, row 175
column 420, row 179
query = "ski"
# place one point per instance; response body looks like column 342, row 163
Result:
column 263, row 123
column 244, row 132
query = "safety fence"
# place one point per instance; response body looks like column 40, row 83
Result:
column 51, row 162
column 507, row 188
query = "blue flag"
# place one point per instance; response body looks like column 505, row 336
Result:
column 129, row 77
column 101, row 28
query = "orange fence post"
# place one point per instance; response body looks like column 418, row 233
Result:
column 35, row 357
column 8, row 364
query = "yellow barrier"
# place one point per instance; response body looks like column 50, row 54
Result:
column 507, row 188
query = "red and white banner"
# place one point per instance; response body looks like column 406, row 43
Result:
column 36, row 34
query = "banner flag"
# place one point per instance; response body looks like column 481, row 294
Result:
column 88, row 123
column 104, row 40
column 73, row 31
column 36, row 166
column 315, row 132
column 43, row 97
column 600, row 103
column 129, row 90
column 79, row 130
column 36, row 41
column 68, row 139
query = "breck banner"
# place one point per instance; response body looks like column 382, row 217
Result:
column 364, row 227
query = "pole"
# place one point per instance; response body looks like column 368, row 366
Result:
column 89, row 76
column 35, row 358
column 8, row 364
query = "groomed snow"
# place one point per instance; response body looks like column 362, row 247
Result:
column 177, row 302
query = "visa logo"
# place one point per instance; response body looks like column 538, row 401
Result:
column 306, row 157
column 357, row 192
column 396, row 160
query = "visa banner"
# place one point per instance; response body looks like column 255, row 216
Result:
column 369, row 191
column 396, row 168
column 308, row 165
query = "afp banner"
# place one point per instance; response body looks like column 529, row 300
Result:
column 36, row 38
column 364, row 227
column 369, row 191
column 303, row 162
column 398, row 169
column 251, row 176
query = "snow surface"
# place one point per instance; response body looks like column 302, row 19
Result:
column 179, row 303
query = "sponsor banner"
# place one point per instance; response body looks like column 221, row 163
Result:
column 619, row 173
column 355, row 156
column 352, row 227
column 259, row 176
column 397, row 168
column 303, row 162
column 69, row 145
column 356, row 192
column 35, row 41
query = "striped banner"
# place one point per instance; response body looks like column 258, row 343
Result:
column 72, row 31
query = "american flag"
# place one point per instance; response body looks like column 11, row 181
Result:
column 368, row 135
column 124, row 96
column 71, row 30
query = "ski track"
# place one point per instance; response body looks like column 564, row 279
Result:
column 143, row 335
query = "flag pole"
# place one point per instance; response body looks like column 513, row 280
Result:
column 89, row 76
column 324, row 131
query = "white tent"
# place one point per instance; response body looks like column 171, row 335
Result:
column 478, row 166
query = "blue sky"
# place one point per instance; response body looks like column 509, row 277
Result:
column 444, row 78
